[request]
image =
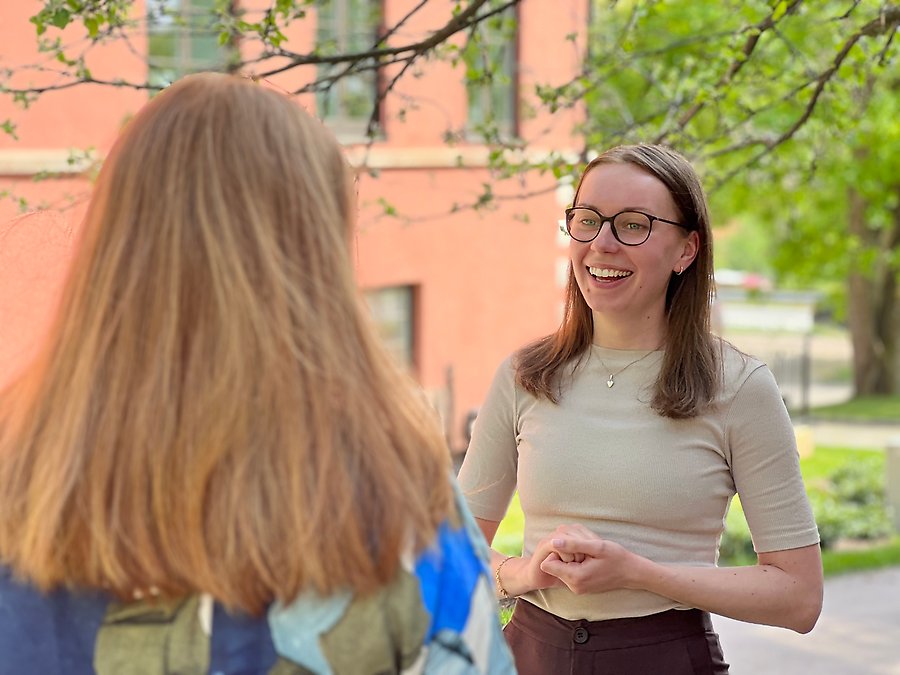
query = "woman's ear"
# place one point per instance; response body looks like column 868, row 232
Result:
column 688, row 253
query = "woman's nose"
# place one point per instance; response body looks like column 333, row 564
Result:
column 605, row 239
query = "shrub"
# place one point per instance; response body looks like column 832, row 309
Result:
column 848, row 504
column 736, row 546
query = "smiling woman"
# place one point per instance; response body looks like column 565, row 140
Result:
column 624, row 487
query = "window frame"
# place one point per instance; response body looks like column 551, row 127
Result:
column 177, row 20
column 347, row 126
column 508, row 125
column 403, row 342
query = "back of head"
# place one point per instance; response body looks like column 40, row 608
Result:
column 212, row 403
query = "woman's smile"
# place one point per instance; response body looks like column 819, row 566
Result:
column 608, row 274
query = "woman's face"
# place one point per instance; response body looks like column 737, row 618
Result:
column 628, row 283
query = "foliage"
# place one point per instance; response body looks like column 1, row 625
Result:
column 758, row 93
column 736, row 546
column 746, row 245
column 851, row 504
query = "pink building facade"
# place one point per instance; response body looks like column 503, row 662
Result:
column 454, row 289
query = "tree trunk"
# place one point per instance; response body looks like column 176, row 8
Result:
column 873, row 307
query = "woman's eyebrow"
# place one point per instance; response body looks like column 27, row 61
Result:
column 642, row 209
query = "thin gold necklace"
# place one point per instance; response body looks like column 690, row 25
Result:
column 611, row 380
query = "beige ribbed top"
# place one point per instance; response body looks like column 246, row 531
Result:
column 659, row 487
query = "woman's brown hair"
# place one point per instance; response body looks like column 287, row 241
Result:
column 691, row 370
column 212, row 411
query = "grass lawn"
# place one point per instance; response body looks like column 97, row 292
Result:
column 817, row 467
column 881, row 554
column 862, row 409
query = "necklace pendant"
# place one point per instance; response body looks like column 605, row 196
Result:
column 610, row 382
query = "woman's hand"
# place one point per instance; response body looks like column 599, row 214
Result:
column 524, row 574
column 587, row 563
column 562, row 532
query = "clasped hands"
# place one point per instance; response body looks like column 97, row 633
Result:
column 575, row 557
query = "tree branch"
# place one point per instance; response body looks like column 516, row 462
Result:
column 460, row 22
column 887, row 22
column 373, row 58
column 752, row 40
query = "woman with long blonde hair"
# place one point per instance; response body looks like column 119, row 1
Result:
column 213, row 465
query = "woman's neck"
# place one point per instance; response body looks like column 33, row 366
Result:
column 639, row 335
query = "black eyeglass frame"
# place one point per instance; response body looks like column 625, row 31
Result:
column 612, row 224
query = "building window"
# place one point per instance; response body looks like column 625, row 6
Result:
column 491, row 57
column 183, row 39
column 347, row 27
column 393, row 310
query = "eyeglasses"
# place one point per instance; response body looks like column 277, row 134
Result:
column 631, row 228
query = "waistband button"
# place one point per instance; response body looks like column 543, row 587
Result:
column 581, row 635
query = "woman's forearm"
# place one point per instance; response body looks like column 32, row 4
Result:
column 763, row 593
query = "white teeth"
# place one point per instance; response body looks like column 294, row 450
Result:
column 603, row 273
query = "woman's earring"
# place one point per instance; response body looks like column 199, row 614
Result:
column 680, row 270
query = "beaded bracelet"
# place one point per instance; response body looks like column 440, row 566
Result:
column 503, row 592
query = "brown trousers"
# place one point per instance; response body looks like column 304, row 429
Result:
column 676, row 642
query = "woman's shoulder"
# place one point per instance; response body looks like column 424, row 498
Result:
column 736, row 363
column 505, row 373
column 738, row 367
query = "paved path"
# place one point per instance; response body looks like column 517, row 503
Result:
column 860, row 435
column 857, row 634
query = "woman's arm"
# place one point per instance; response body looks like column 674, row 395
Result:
column 783, row 589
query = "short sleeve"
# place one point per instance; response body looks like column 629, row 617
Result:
column 766, row 466
column 488, row 474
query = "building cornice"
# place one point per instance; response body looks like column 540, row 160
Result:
column 442, row 157
column 31, row 162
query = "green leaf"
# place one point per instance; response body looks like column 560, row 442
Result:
column 61, row 18
column 83, row 72
column 39, row 25
column 9, row 128
column 780, row 10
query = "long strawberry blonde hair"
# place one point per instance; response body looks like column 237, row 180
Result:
column 212, row 411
